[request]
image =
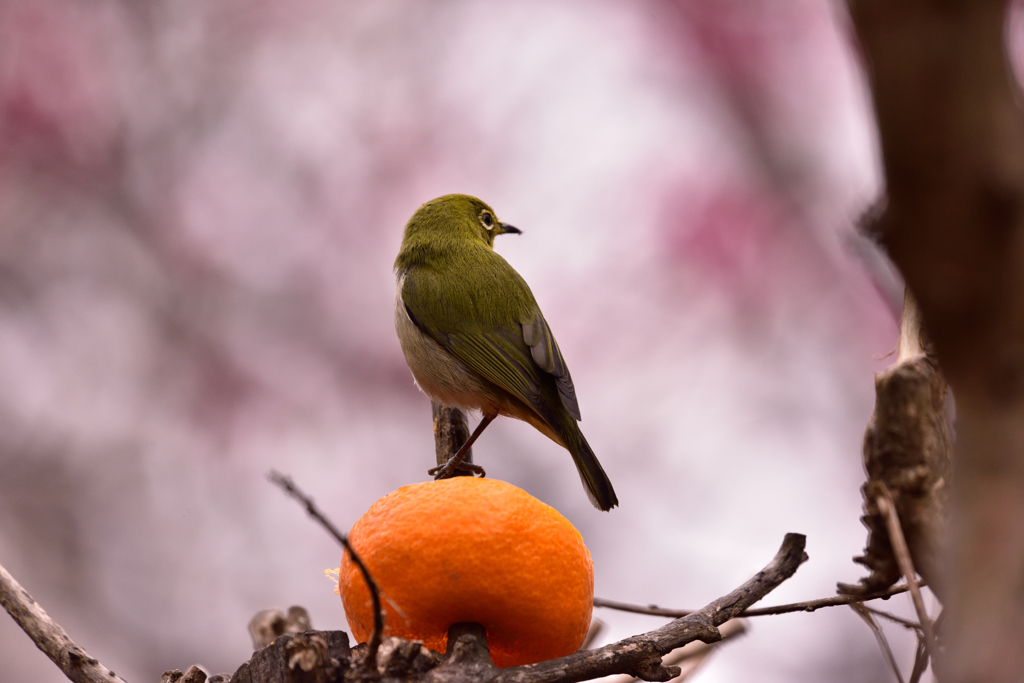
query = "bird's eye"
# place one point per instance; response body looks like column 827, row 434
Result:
column 487, row 219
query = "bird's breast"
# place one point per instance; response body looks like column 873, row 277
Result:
column 438, row 373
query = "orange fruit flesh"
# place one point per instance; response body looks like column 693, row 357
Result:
column 472, row 550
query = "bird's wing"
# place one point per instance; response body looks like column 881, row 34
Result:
column 545, row 352
column 513, row 355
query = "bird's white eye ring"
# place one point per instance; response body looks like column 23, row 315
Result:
column 487, row 219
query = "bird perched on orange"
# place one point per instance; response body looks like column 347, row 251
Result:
column 475, row 338
column 472, row 550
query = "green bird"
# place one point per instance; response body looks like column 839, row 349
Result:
column 474, row 336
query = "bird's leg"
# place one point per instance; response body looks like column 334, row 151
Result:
column 455, row 463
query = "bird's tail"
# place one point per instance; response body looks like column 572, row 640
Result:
column 595, row 481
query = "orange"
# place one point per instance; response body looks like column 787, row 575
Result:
column 472, row 550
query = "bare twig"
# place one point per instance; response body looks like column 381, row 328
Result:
column 49, row 637
column 373, row 644
column 920, row 662
column 883, row 642
column 906, row 623
column 812, row 605
column 808, row 606
column 652, row 610
column 640, row 656
column 902, row 552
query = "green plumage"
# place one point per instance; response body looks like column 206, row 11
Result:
column 474, row 336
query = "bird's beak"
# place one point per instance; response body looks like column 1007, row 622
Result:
column 503, row 228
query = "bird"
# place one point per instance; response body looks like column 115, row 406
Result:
column 475, row 338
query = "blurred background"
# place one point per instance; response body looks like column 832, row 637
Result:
column 200, row 204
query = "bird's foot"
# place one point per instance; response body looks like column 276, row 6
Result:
column 454, row 469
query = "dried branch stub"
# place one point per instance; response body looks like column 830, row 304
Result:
column 907, row 451
column 269, row 624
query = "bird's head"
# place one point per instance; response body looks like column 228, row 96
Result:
column 455, row 218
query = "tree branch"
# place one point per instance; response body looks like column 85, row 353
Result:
column 641, row 655
column 49, row 637
column 691, row 656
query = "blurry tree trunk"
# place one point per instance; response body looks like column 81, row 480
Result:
column 952, row 135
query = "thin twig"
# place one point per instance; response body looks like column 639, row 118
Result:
column 373, row 644
column 920, row 662
column 906, row 623
column 883, row 642
column 640, row 656
column 49, row 637
column 809, row 606
column 906, row 564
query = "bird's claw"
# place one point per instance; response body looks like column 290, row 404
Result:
column 462, row 469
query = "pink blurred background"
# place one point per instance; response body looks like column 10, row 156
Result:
column 200, row 204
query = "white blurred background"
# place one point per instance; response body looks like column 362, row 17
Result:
column 200, row 204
